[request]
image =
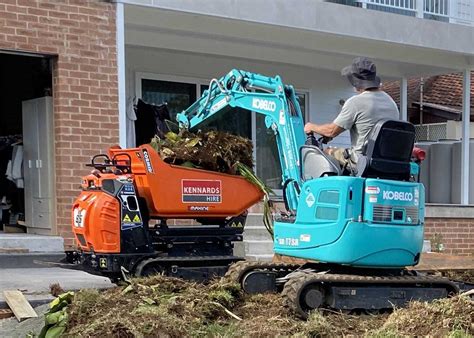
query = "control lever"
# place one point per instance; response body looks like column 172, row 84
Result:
column 311, row 140
column 325, row 139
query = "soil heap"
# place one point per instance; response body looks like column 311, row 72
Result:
column 170, row 307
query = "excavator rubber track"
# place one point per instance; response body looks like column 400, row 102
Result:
column 305, row 290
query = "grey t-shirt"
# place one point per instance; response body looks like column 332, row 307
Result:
column 361, row 112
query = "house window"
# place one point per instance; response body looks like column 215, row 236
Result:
column 236, row 121
column 177, row 95
column 180, row 93
column 302, row 97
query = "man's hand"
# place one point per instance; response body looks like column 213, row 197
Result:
column 309, row 128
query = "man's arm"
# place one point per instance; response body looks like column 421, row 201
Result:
column 329, row 129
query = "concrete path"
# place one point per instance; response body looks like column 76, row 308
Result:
column 12, row 329
column 35, row 282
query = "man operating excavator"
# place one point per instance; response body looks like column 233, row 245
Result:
column 360, row 113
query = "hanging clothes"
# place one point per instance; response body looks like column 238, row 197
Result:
column 162, row 115
column 12, row 200
column 145, row 125
column 130, row 123
column 14, row 170
column 150, row 121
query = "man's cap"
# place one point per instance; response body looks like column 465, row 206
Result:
column 362, row 73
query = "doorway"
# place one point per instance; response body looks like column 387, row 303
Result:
column 26, row 144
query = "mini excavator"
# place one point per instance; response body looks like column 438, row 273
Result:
column 358, row 229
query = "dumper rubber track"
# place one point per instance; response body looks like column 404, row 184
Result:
column 201, row 268
column 305, row 291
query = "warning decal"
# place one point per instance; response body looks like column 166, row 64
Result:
column 203, row 191
column 127, row 219
column 137, row 219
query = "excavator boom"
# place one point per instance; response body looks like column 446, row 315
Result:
column 263, row 95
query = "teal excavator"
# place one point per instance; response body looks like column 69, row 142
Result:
column 359, row 229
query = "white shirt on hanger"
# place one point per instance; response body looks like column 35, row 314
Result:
column 130, row 123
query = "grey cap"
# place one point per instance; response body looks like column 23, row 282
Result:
column 362, row 73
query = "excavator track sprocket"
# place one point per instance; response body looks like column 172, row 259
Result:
column 258, row 277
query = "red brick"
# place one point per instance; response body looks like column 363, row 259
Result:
column 82, row 35
column 38, row 12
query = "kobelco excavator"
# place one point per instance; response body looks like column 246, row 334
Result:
column 361, row 228
column 358, row 229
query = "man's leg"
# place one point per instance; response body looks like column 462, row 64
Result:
column 344, row 156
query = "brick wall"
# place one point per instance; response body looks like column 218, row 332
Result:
column 80, row 34
column 456, row 234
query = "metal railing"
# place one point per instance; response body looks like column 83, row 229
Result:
column 456, row 11
column 436, row 7
column 398, row 4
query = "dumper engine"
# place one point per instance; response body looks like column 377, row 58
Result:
column 139, row 215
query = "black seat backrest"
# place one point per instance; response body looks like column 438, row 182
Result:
column 387, row 151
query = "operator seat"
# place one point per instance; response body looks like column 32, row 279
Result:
column 387, row 151
column 315, row 163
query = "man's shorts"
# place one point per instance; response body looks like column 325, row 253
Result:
column 340, row 155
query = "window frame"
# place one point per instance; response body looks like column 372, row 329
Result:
column 139, row 76
column 307, row 94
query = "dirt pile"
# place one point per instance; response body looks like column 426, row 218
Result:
column 466, row 276
column 161, row 306
column 445, row 317
column 212, row 150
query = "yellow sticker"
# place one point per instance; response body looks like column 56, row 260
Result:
column 136, row 219
column 127, row 219
column 103, row 263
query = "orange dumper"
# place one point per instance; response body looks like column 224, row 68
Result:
column 129, row 189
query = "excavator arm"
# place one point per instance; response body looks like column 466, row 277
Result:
column 263, row 95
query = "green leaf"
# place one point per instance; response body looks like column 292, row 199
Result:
column 128, row 289
column 189, row 164
column 53, row 318
column 172, row 136
column 59, row 306
column 43, row 331
column 148, row 300
column 167, row 152
column 192, row 142
column 55, row 331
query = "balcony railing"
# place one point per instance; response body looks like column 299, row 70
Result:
column 455, row 11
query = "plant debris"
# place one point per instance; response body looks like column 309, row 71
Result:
column 212, row 150
column 442, row 317
column 170, row 307
column 466, row 276
column 55, row 289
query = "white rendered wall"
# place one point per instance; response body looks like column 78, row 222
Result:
column 325, row 87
